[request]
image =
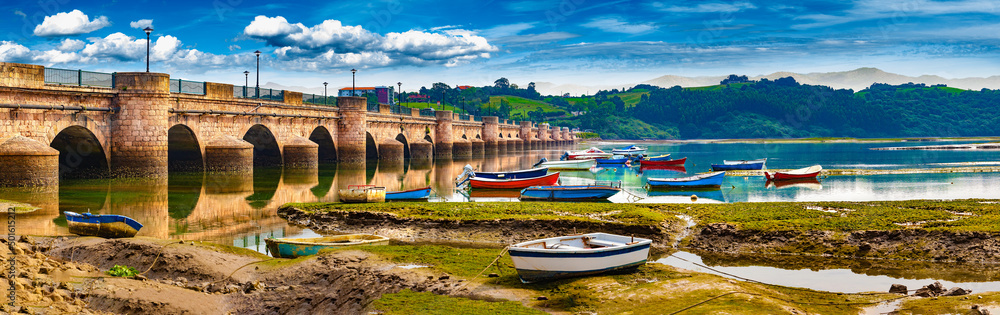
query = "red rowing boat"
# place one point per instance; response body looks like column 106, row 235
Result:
column 667, row 162
column 547, row 180
column 807, row 172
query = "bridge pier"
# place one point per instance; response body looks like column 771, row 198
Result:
column 301, row 153
column 443, row 135
column 478, row 148
column 139, row 132
column 462, row 149
column 515, row 145
column 28, row 163
column 391, row 150
column 501, row 146
column 491, row 135
column 421, row 149
column 228, row 154
column 351, row 129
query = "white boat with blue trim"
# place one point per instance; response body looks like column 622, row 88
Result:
column 577, row 255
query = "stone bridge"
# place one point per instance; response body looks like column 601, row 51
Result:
column 139, row 128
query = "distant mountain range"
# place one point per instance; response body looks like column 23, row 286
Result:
column 857, row 79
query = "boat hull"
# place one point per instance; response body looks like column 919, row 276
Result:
column 680, row 161
column 535, row 172
column 545, row 259
column 620, row 161
column 737, row 167
column 106, row 225
column 291, row 248
column 568, row 193
column 693, row 182
column 362, row 194
column 785, row 176
column 412, row 194
column 547, row 180
column 568, row 165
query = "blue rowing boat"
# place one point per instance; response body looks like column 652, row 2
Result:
column 710, row 180
column 740, row 165
column 102, row 225
column 297, row 247
column 412, row 194
column 569, row 193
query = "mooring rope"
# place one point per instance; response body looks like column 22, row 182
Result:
column 495, row 260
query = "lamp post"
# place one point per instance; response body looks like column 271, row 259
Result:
column 399, row 102
column 257, row 88
column 354, row 91
column 147, row 30
column 463, row 106
column 324, row 93
column 246, row 81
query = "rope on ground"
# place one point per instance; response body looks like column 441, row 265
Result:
column 158, row 257
column 495, row 260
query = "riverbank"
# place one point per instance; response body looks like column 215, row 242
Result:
column 795, row 140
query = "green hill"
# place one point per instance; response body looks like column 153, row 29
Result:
column 521, row 106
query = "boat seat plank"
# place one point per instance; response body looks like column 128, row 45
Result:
column 604, row 243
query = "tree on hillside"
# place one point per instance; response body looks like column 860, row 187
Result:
column 501, row 83
column 735, row 79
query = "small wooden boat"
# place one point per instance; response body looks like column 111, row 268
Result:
column 570, row 193
column 577, row 255
column 739, row 165
column 102, row 225
column 664, row 157
column 518, row 183
column 362, row 193
column 412, row 194
column 709, row 180
column 674, row 168
column 588, row 154
column 620, row 160
column 806, row 172
column 531, row 173
column 295, row 247
column 630, row 150
column 565, row 165
column 679, row 161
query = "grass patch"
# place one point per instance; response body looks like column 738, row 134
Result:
column 521, row 106
column 950, row 304
column 18, row 207
column 620, row 213
column 122, row 271
column 409, row 302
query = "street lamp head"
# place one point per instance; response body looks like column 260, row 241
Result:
column 148, row 30
column 246, row 72
column 324, row 84
column 257, row 53
column 354, row 71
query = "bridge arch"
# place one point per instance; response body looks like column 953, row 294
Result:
column 327, row 148
column 266, row 151
column 371, row 148
column 81, row 154
column 406, row 145
column 183, row 150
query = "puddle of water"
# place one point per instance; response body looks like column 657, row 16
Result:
column 831, row 279
column 411, row 266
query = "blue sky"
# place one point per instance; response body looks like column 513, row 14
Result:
column 582, row 42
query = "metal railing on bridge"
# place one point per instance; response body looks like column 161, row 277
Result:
column 478, row 118
column 314, row 99
column 252, row 93
column 79, row 77
column 401, row 110
column 373, row 107
column 463, row 117
column 187, row 87
column 427, row 112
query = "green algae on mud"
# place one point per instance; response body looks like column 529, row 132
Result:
column 409, row 302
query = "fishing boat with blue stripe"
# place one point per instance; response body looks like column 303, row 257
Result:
column 577, row 255
column 702, row 181
column 740, row 165
column 570, row 193
column 618, row 159
column 102, row 225
column 630, row 150
column 412, row 194
column 529, row 173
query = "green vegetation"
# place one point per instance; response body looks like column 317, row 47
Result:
column 122, row 271
column 409, row 302
column 18, row 207
column 621, row 213
column 432, row 105
column 524, row 109
column 950, row 304
column 587, row 135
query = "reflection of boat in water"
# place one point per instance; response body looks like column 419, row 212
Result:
column 808, row 183
column 739, row 165
column 571, row 193
column 713, row 195
column 674, row 168
column 494, row 193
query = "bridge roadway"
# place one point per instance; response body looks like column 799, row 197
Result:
column 138, row 128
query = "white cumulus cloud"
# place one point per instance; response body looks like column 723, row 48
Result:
column 70, row 44
column 13, row 52
column 70, row 23
column 332, row 44
column 141, row 24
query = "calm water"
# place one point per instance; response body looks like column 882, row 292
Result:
column 241, row 210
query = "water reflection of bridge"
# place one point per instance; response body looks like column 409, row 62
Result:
column 235, row 208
